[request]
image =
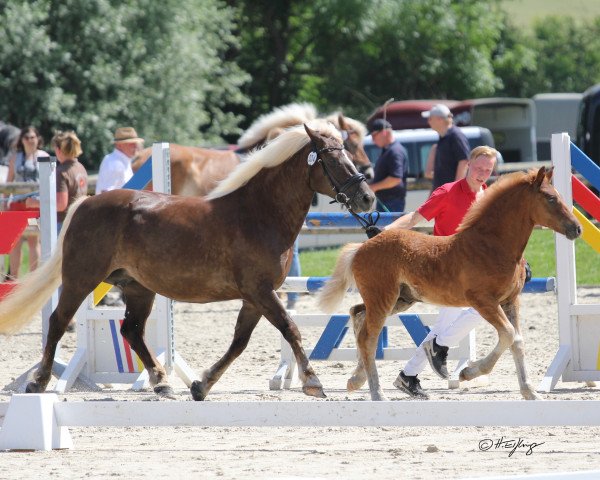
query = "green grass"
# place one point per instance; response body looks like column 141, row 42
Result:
column 539, row 253
column 524, row 12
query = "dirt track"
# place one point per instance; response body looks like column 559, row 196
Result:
column 203, row 333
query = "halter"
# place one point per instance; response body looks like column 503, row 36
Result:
column 340, row 191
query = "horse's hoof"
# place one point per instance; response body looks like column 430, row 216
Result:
column 466, row 374
column 34, row 387
column 531, row 396
column 314, row 391
column 164, row 390
column 197, row 391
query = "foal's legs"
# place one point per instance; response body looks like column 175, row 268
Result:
column 357, row 315
column 518, row 352
column 274, row 311
column 506, row 335
column 246, row 322
column 138, row 301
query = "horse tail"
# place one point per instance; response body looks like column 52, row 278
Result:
column 342, row 279
column 31, row 292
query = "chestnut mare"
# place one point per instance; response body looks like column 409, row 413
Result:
column 196, row 171
column 234, row 244
column 479, row 266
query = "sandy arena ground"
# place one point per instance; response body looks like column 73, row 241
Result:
column 203, row 333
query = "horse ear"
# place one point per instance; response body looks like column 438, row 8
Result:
column 342, row 122
column 314, row 136
column 549, row 173
column 539, row 178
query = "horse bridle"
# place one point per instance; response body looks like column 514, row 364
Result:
column 341, row 195
column 340, row 191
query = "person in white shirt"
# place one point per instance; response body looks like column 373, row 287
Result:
column 115, row 169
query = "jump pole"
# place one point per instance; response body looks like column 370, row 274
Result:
column 41, row 421
column 578, row 355
column 102, row 355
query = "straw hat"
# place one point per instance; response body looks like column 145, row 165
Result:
column 126, row 135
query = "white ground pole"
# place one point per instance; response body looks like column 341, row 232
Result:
column 94, row 358
column 578, row 324
column 41, row 421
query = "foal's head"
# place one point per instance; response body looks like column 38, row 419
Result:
column 332, row 173
column 548, row 209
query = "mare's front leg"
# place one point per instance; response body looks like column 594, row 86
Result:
column 276, row 313
column 506, row 335
column 518, row 351
column 246, row 322
column 68, row 304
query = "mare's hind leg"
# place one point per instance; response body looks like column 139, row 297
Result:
column 518, row 351
column 246, row 322
column 357, row 315
column 274, row 311
column 68, row 303
column 138, row 305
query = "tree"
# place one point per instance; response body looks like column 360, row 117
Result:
column 95, row 65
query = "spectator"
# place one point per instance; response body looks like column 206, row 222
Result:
column 71, row 176
column 389, row 182
column 115, row 169
column 452, row 150
column 23, row 167
column 447, row 206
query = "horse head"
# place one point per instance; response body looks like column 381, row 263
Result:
column 549, row 209
column 337, row 176
column 353, row 140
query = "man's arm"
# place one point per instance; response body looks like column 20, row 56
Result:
column 430, row 162
column 407, row 221
column 461, row 169
column 387, row 182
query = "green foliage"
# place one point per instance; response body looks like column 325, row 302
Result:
column 96, row 65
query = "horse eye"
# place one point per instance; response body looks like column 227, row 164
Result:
column 552, row 199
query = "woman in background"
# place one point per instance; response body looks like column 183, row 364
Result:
column 23, row 167
column 71, row 176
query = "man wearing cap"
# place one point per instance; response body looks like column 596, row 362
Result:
column 452, row 150
column 389, row 181
column 115, row 169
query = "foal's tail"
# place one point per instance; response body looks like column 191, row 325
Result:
column 342, row 279
column 31, row 292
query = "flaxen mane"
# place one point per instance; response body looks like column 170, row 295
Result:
column 355, row 125
column 273, row 154
column 501, row 187
column 283, row 117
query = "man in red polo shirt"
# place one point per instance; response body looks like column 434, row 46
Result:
column 447, row 205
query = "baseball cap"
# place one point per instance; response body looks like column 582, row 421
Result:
column 439, row 110
column 378, row 125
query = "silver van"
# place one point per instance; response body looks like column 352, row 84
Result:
column 418, row 142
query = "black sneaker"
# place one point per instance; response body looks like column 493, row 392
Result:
column 437, row 355
column 411, row 385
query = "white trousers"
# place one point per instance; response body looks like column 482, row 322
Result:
column 453, row 324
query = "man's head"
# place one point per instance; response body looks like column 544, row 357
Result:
column 381, row 132
column 439, row 118
column 127, row 141
column 482, row 161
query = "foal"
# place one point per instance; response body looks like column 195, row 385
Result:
column 479, row 267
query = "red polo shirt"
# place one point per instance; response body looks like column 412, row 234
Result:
column 448, row 205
